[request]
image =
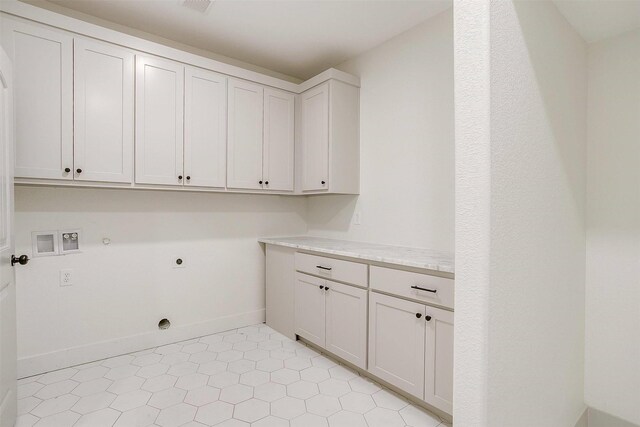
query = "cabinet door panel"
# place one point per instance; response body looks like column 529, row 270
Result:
column 396, row 342
column 346, row 332
column 315, row 138
column 43, row 93
column 438, row 390
column 159, row 121
column 310, row 308
column 103, row 114
column 244, row 148
column 278, row 151
column 205, row 145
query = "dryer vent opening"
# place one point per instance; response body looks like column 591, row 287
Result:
column 164, row 324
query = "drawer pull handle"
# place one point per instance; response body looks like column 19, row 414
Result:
column 424, row 289
column 323, row 268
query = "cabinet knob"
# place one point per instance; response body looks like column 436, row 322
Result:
column 322, row 182
column 79, row 170
column 260, row 182
column 427, row 318
column 321, row 287
column 326, row 288
column 179, row 177
column 67, row 170
column 266, row 182
column 188, row 178
column 418, row 315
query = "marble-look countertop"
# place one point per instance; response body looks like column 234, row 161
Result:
column 398, row 255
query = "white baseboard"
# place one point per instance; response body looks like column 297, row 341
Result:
column 34, row 365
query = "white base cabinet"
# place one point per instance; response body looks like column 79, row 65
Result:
column 332, row 315
column 438, row 384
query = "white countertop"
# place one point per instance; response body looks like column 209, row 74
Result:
column 398, row 255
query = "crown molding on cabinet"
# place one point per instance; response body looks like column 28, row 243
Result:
column 43, row 16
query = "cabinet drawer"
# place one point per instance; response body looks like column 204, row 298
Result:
column 334, row 269
column 404, row 283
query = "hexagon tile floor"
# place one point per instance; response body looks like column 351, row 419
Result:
column 251, row 376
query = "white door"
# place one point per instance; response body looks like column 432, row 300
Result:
column 278, row 151
column 438, row 388
column 159, row 121
column 315, row 138
column 43, row 69
column 103, row 113
column 396, row 342
column 346, row 313
column 244, row 147
column 205, row 128
column 8, row 408
column 310, row 308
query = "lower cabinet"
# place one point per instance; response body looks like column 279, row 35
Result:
column 333, row 316
column 411, row 347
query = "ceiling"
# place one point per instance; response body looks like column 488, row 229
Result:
column 299, row 38
column 599, row 19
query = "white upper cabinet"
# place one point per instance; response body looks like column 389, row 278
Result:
column 315, row 138
column 159, row 121
column 329, row 139
column 278, row 150
column 103, row 114
column 244, row 145
column 43, row 93
column 438, row 386
column 205, row 128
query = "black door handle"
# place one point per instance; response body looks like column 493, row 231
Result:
column 22, row 260
column 323, row 268
column 424, row 289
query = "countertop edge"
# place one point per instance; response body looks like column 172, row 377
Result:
column 441, row 268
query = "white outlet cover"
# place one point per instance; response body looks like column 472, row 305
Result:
column 66, row 277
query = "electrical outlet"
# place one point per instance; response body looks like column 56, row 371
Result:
column 357, row 218
column 66, row 277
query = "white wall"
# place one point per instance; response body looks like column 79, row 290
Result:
column 612, row 372
column 406, row 145
column 122, row 290
column 530, row 226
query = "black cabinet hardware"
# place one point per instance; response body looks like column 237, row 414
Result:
column 188, row 178
column 322, row 182
column 179, row 177
column 418, row 315
column 179, row 261
column 79, row 170
column 321, row 287
column 323, row 268
column 266, row 182
column 260, row 182
column 22, row 260
column 67, row 170
column 427, row 318
column 424, row 289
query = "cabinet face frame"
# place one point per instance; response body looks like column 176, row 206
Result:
column 314, row 134
column 204, row 146
column 245, row 133
column 388, row 352
column 310, row 318
column 278, row 140
column 39, row 86
column 87, row 134
column 143, row 143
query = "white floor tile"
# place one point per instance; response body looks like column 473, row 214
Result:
column 252, row 376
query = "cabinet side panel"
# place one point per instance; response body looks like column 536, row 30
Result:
column 344, row 147
column 280, row 281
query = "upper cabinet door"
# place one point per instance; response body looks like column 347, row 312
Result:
column 103, row 115
column 244, row 149
column 315, row 138
column 205, row 128
column 159, row 121
column 43, row 94
column 278, row 151
column 438, row 389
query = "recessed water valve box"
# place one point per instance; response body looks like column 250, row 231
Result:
column 69, row 241
column 44, row 243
